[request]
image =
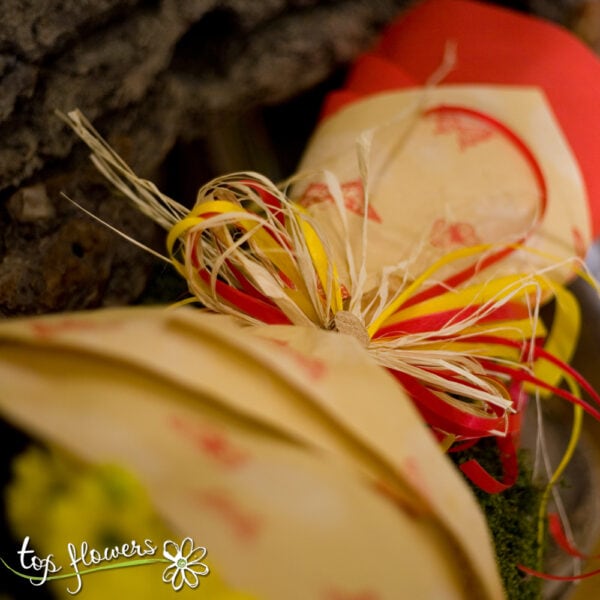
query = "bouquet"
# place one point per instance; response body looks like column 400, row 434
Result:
column 360, row 321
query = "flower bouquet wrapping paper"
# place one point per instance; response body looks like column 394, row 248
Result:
column 302, row 482
column 377, row 310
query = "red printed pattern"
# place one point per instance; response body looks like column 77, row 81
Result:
column 211, row 442
column 313, row 367
column 469, row 131
column 48, row 329
column 244, row 525
column 352, row 191
column 579, row 244
column 445, row 234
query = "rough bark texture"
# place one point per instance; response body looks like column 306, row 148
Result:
column 147, row 73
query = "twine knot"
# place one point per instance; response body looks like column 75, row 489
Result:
column 346, row 322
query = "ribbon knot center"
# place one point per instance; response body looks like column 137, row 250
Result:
column 349, row 324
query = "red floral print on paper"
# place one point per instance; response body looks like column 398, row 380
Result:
column 352, row 191
column 312, row 367
column 446, row 234
column 212, row 442
column 412, row 472
column 48, row 329
column 243, row 524
column 579, row 244
column 469, row 130
column 343, row 290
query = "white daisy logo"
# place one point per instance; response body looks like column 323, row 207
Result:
column 187, row 565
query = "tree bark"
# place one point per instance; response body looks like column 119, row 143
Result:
column 147, row 73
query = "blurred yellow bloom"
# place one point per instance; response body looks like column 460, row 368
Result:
column 56, row 500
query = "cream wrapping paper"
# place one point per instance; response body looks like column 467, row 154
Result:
column 443, row 180
column 265, row 444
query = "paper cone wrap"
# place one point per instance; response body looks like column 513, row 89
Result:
column 300, row 481
column 451, row 167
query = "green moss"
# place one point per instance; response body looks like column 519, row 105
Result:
column 512, row 518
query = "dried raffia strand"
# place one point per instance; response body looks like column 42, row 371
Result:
column 143, row 193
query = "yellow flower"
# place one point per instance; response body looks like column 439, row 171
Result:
column 57, row 501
